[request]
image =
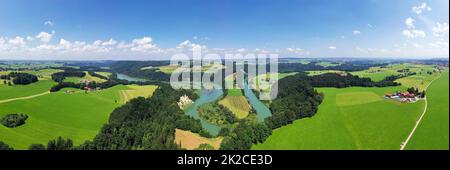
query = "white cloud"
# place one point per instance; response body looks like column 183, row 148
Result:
column 421, row 8
column 370, row 25
column 297, row 51
column 342, row 37
column 332, row 47
column 356, row 32
column 17, row 41
column 440, row 29
column 49, row 23
column 439, row 44
column 30, row 38
column 110, row 42
column 45, row 37
column 143, row 44
column 189, row 45
column 414, row 33
column 241, row 50
column 409, row 22
column 411, row 32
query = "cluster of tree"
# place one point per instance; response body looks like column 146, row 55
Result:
column 20, row 78
column 14, row 120
column 296, row 99
column 4, row 146
column 55, row 144
column 112, row 81
column 133, row 68
column 416, row 92
column 146, row 123
column 339, row 81
column 60, row 76
column 216, row 114
column 244, row 135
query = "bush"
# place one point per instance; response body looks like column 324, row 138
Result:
column 4, row 146
column 14, row 120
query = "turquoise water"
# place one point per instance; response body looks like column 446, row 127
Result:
column 261, row 109
column 207, row 96
column 129, row 78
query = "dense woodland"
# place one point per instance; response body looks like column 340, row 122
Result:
column 296, row 99
column 60, row 76
column 20, row 78
column 339, row 81
column 146, row 123
column 133, row 68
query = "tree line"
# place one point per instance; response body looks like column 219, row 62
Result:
column 20, row 78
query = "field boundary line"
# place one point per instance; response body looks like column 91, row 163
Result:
column 403, row 144
column 24, row 98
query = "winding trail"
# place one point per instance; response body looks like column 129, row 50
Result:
column 24, row 98
column 403, row 145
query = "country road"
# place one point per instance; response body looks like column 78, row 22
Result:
column 24, row 98
column 403, row 145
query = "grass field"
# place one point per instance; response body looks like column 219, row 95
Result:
column 433, row 131
column 86, row 77
column 78, row 116
column 137, row 91
column 379, row 73
column 191, row 141
column 106, row 74
column 359, row 118
column 15, row 91
column 375, row 124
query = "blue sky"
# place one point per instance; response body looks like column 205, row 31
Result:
column 119, row 29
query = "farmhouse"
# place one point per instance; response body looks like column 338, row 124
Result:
column 402, row 96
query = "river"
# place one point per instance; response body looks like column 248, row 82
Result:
column 208, row 96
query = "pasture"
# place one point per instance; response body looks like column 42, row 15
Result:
column 433, row 130
column 375, row 124
column 77, row 115
column 360, row 118
column 16, row 91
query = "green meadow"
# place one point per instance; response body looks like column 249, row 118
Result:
column 360, row 118
column 16, row 91
column 78, row 116
column 433, row 130
column 342, row 123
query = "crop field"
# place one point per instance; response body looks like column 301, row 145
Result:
column 237, row 104
column 169, row 69
column 77, row 115
column 137, row 91
column 327, row 64
column 191, row 141
column 314, row 73
column 433, row 131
